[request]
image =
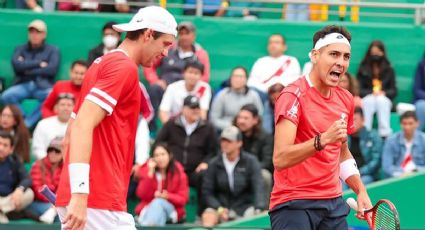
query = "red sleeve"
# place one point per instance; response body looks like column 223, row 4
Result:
column 147, row 186
column 287, row 107
column 150, row 73
column 205, row 60
column 110, row 85
column 49, row 103
column 181, row 196
column 350, row 123
column 37, row 181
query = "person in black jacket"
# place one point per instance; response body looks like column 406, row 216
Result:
column 15, row 183
column 232, row 186
column 192, row 141
column 377, row 87
column 256, row 141
column 419, row 93
column 35, row 64
column 110, row 41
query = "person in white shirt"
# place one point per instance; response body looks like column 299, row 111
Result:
column 274, row 68
column 172, row 101
column 51, row 127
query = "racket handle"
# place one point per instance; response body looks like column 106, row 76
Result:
column 352, row 203
column 48, row 194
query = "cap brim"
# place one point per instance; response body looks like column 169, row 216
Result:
column 125, row 27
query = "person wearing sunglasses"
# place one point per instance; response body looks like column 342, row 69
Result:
column 46, row 171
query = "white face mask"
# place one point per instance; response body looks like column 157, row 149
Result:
column 110, row 41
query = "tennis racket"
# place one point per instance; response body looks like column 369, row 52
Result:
column 382, row 216
column 48, row 194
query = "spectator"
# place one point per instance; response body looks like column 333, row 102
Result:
column 49, row 128
column 257, row 142
column 366, row 147
column 69, row 6
column 11, row 121
column 211, row 7
column 72, row 86
column 46, row 171
column 110, row 40
column 349, row 83
column 28, row 4
column 230, row 100
column 232, row 184
column 419, row 93
column 35, row 64
column 15, row 191
column 297, row 12
column 163, row 189
column 192, row 141
column 244, row 9
column 274, row 68
column 404, row 151
column 172, row 102
column 268, row 116
column 171, row 67
column 377, row 87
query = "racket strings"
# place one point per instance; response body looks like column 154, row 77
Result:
column 384, row 218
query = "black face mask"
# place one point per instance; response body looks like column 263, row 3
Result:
column 376, row 58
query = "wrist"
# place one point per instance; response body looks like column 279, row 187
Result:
column 79, row 177
column 318, row 143
column 20, row 188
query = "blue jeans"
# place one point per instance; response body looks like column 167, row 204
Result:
column 157, row 213
column 17, row 93
column 37, row 208
column 420, row 113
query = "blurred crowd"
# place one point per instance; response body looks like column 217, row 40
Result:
column 217, row 141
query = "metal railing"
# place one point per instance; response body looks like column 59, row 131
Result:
column 417, row 15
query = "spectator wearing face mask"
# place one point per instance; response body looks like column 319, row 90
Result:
column 110, row 41
column 378, row 87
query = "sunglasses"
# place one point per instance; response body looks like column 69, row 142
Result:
column 57, row 151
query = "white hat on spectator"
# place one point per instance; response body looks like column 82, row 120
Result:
column 150, row 17
column 38, row 25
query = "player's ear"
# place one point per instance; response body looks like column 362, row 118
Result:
column 147, row 34
column 314, row 55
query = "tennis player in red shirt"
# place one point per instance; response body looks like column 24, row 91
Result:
column 313, row 118
column 94, row 182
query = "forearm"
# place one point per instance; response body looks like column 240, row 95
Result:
column 356, row 184
column 81, row 143
column 290, row 155
column 163, row 116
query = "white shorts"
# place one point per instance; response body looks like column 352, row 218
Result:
column 100, row 219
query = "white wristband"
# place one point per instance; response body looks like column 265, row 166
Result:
column 79, row 177
column 348, row 168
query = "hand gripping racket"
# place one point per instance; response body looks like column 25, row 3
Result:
column 48, row 194
column 382, row 216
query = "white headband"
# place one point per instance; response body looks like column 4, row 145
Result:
column 331, row 39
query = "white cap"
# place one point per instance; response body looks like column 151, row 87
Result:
column 151, row 17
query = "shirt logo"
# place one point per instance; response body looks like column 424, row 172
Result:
column 97, row 60
column 81, row 184
column 293, row 111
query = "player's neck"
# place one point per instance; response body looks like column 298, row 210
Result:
column 317, row 83
column 126, row 46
